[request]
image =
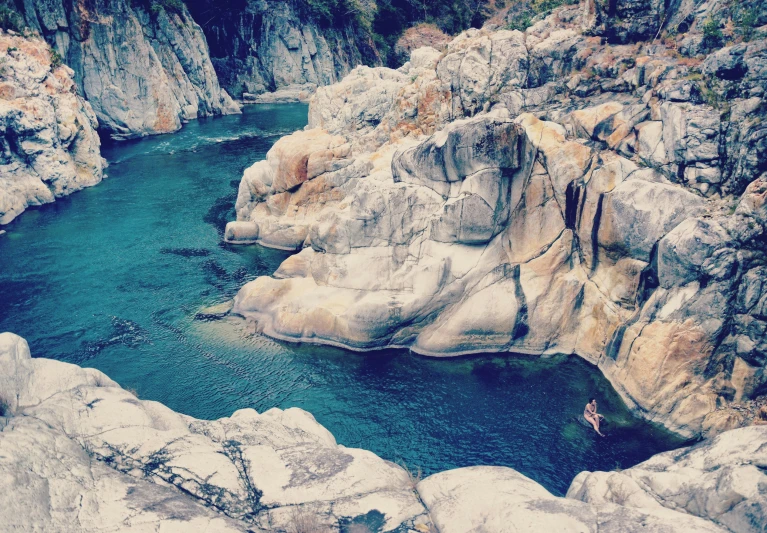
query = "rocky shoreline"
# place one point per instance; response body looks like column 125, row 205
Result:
column 539, row 192
column 594, row 184
column 79, row 453
column 50, row 147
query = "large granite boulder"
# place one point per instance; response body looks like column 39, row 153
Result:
column 538, row 193
column 78, row 453
column 123, row 463
column 721, row 480
column 503, row 501
column 50, row 147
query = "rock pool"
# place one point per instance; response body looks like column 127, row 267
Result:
column 112, row 277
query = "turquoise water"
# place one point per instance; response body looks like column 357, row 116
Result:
column 112, row 276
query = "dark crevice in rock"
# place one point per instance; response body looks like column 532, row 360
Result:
column 572, row 197
column 232, row 449
column 614, row 346
column 595, row 233
column 648, row 279
column 521, row 326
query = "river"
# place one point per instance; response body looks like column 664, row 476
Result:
column 112, row 276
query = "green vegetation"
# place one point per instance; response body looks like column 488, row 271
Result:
column 712, row 33
column 171, row 6
column 56, row 59
column 393, row 17
column 710, row 91
column 157, row 6
column 522, row 22
column 10, row 17
column 336, row 13
column 746, row 20
column 524, row 13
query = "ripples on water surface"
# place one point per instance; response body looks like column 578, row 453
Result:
column 111, row 277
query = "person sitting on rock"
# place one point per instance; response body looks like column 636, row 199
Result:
column 761, row 416
column 590, row 414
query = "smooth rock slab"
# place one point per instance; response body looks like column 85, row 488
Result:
column 82, row 453
column 722, row 480
column 501, row 500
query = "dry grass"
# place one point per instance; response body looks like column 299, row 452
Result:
column 414, row 476
column 303, row 520
column 422, row 35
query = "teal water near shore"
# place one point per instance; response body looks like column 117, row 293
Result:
column 112, row 276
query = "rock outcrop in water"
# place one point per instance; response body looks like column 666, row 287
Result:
column 534, row 192
column 48, row 133
column 143, row 70
column 79, row 453
column 262, row 46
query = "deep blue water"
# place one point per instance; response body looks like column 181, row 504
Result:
column 112, row 276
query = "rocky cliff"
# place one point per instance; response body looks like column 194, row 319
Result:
column 262, row 46
column 47, row 132
column 540, row 191
column 143, row 66
column 78, row 453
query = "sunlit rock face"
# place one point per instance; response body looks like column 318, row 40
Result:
column 729, row 468
column 536, row 193
column 143, row 70
column 47, row 132
column 78, row 453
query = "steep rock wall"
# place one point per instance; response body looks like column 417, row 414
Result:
column 143, row 70
column 48, row 141
column 266, row 45
column 534, row 192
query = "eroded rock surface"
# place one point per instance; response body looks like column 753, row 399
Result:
column 534, row 192
column 78, row 453
column 48, row 133
column 143, row 70
column 501, row 500
column 721, row 480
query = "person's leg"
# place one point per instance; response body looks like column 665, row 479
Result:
column 594, row 421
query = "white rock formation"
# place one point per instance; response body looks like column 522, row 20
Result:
column 143, row 67
column 47, row 132
column 501, row 500
column 502, row 197
column 287, row 95
column 722, row 480
column 80, row 454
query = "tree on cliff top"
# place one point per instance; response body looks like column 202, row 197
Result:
column 394, row 17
